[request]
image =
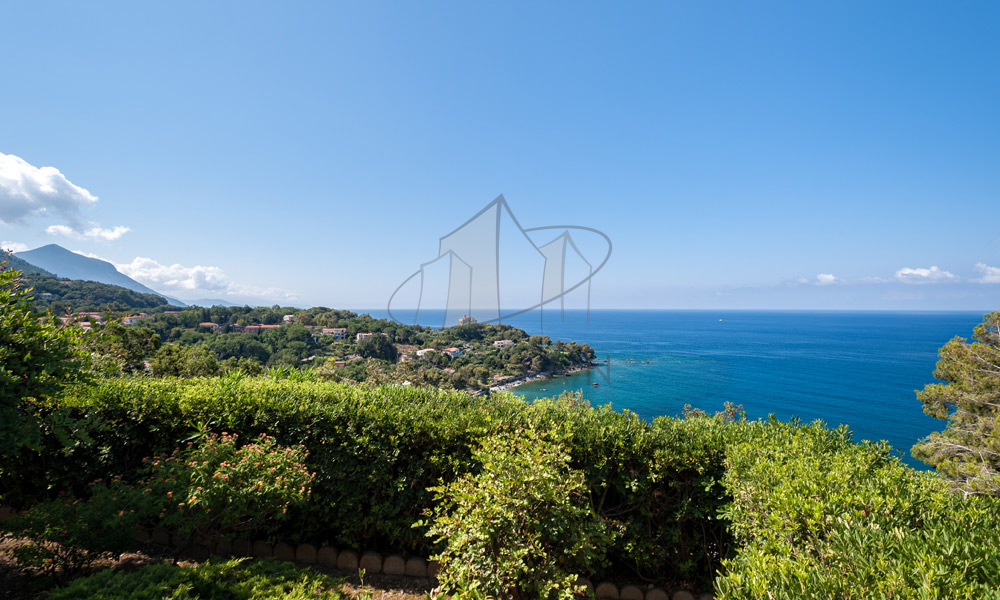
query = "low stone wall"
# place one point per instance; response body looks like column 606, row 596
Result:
column 373, row 562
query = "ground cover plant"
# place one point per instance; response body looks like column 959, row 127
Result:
column 236, row 579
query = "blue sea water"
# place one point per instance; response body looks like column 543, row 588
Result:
column 856, row 368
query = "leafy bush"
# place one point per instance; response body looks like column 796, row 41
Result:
column 215, row 487
column 522, row 528
column 209, row 488
column 37, row 358
column 237, row 579
column 377, row 450
column 817, row 516
column 68, row 534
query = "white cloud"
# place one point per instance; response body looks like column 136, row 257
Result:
column 921, row 275
column 174, row 277
column 94, row 233
column 192, row 282
column 826, row 279
column 13, row 246
column 990, row 274
column 27, row 190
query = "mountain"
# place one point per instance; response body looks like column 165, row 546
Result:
column 210, row 302
column 63, row 263
column 19, row 264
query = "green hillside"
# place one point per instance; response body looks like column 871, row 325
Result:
column 13, row 262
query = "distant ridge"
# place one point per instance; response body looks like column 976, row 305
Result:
column 63, row 263
column 210, row 302
column 19, row 264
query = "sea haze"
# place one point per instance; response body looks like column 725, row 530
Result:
column 856, row 368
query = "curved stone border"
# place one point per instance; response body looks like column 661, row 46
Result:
column 373, row 562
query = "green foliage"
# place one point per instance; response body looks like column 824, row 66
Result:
column 377, row 346
column 68, row 534
column 188, row 361
column 817, row 516
column 236, row 579
column 377, row 450
column 521, row 528
column 37, row 358
column 125, row 347
column 216, row 487
column 212, row 487
column 967, row 452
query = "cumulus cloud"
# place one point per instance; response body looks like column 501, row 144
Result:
column 922, row 275
column 13, row 246
column 94, row 233
column 27, row 190
column 174, row 277
column 192, row 281
column 990, row 274
column 826, row 279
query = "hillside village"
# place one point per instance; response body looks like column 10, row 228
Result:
column 333, row 344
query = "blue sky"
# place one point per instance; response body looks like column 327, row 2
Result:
column 739, row 155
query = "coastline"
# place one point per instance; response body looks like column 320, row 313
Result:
column 514, row 382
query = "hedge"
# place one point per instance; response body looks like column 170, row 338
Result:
column 657, row 486
column 765, row 508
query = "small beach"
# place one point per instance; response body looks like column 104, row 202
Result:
column 510, row 384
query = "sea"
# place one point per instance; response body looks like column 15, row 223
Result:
column 855, row 368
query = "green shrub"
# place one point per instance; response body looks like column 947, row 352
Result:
column 818, row 516
column 521, row 528
column 69, row 534
column 377, row 450
column 215, row 487
column 209, row 488
column 38, row 357
column 237, row 579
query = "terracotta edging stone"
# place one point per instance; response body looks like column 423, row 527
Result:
column 347, row 561
column 371, row 562
column 283, row 551
column 394, row 565
column 631, row 592
column 374, row 562
column 262, row 548
column 306, row 553
column 416, row 567
column 327, row 557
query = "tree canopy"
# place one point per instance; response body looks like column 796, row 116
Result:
column 968, row 450
column 37, row 357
